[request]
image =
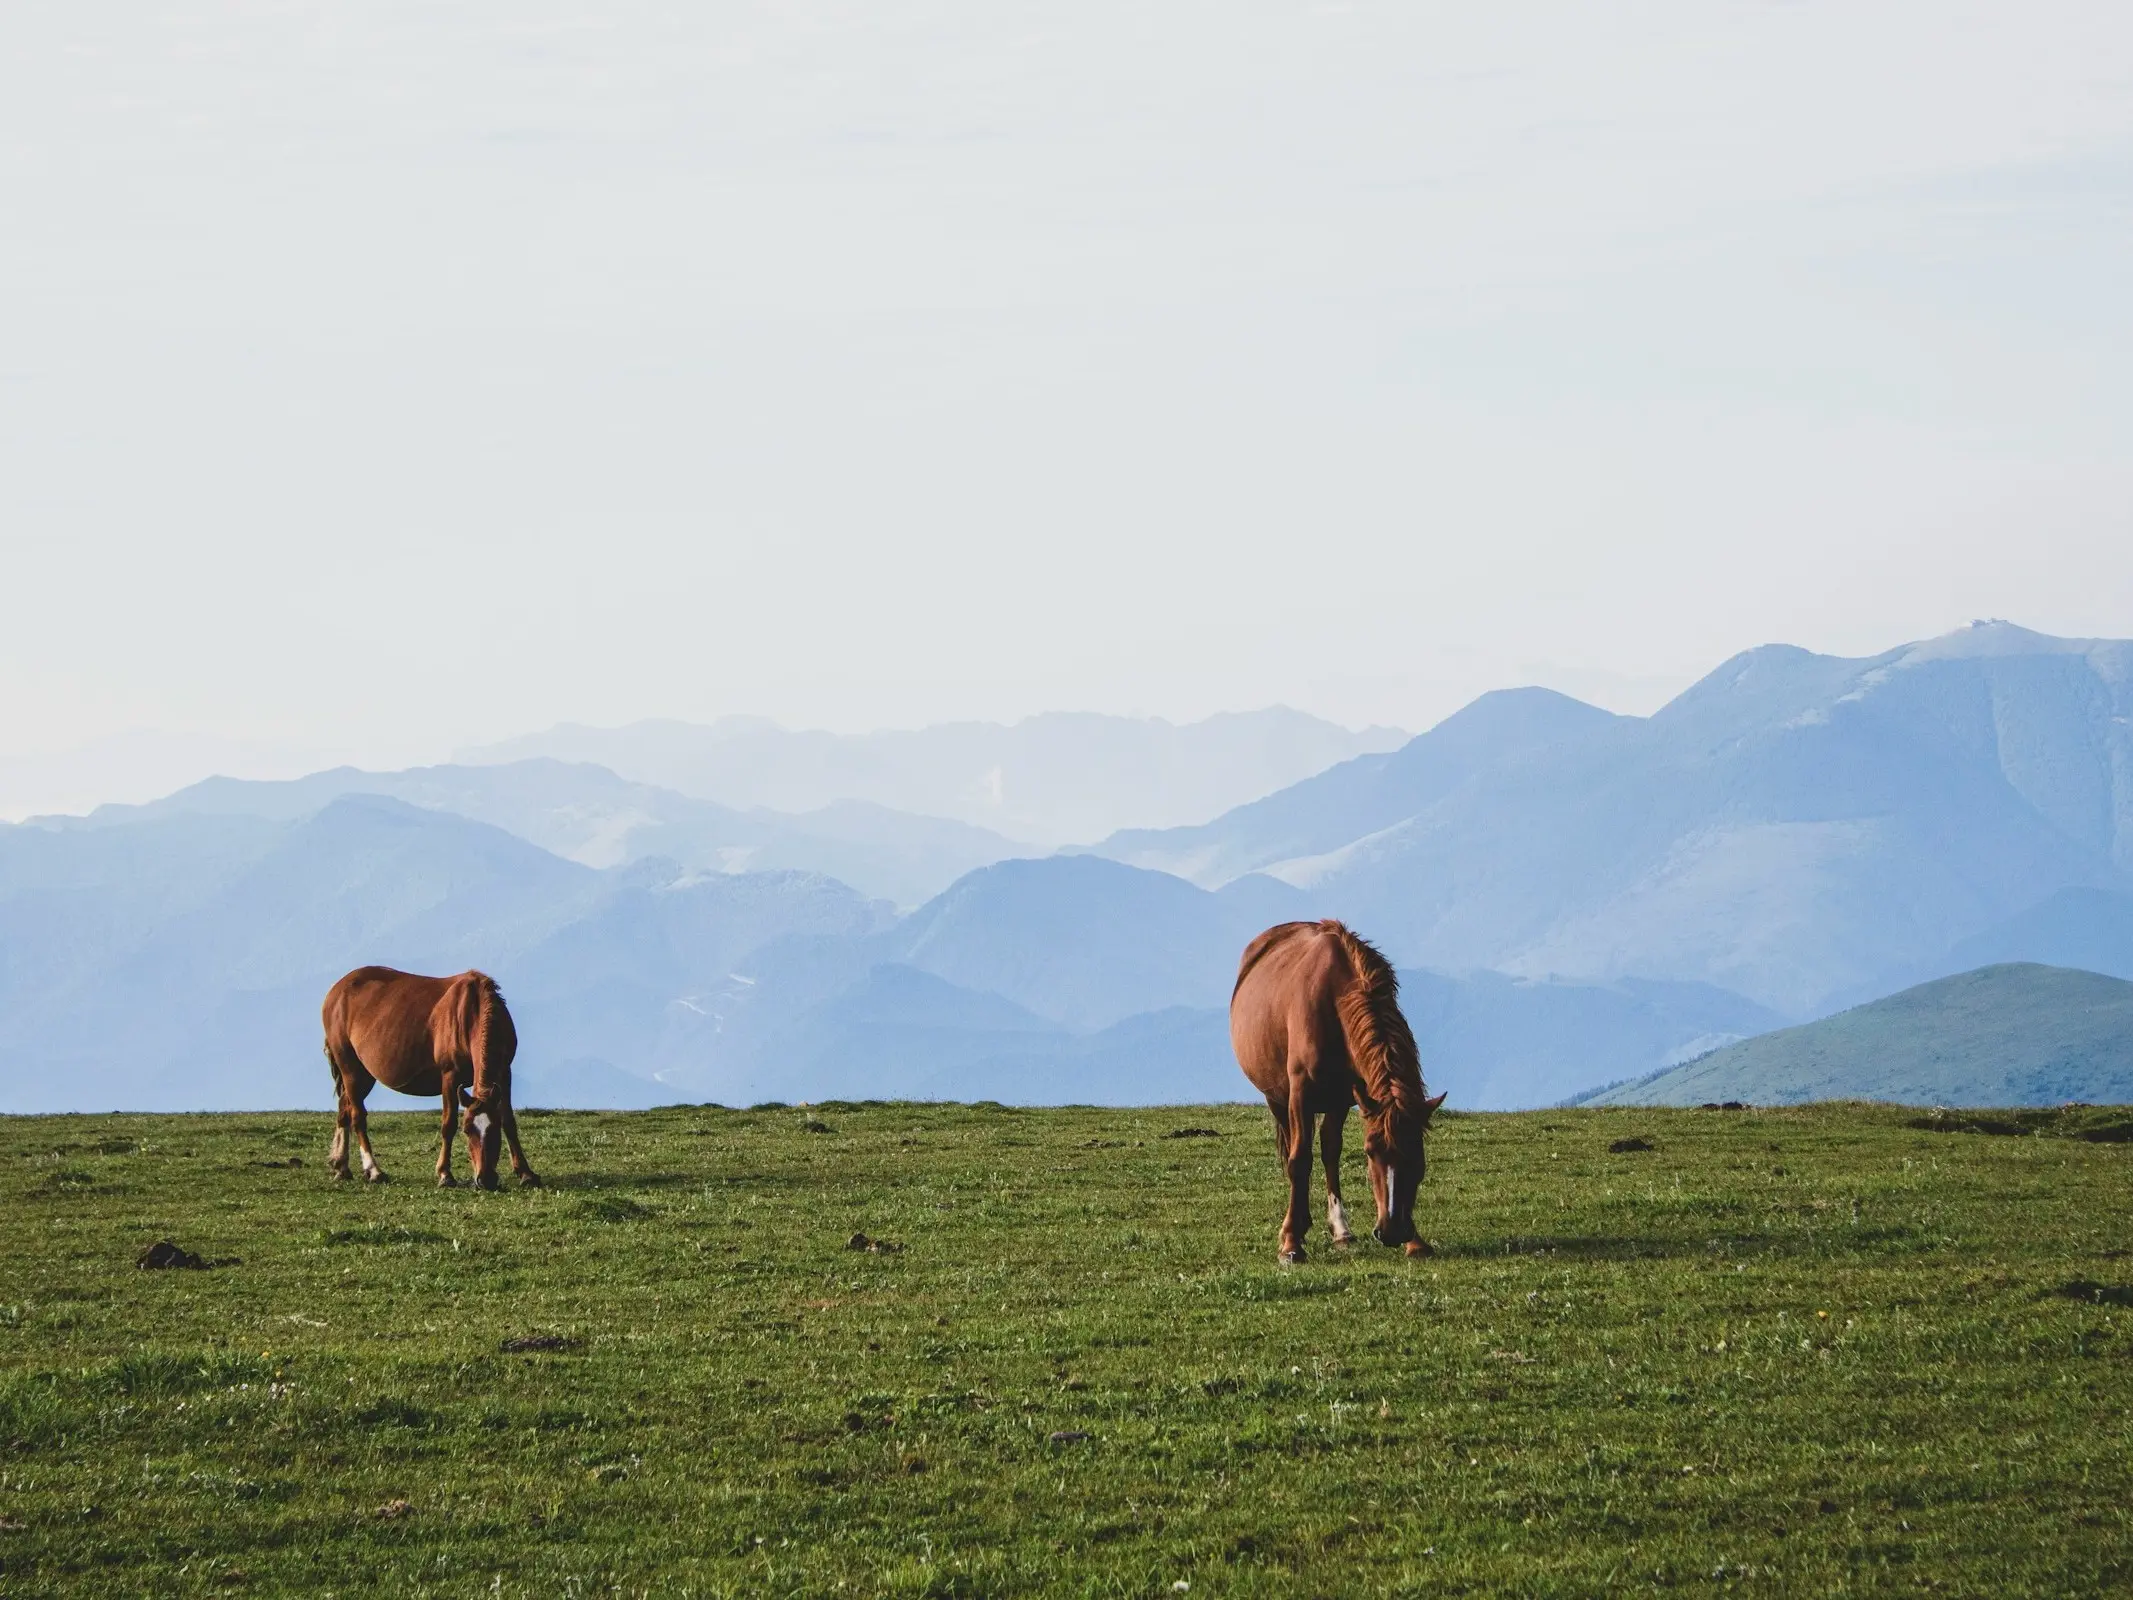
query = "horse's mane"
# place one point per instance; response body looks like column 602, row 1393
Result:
column 487, row 1037
column 1380, row 1043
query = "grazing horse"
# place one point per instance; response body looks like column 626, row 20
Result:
column 1315, row 1021
column 424, row 1036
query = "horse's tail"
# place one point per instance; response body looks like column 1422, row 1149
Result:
column 1380, row 1043
column 333, row 1023
column 489, row 1040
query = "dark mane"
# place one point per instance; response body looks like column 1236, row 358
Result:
column 486, row 1038
column 1381, row 1044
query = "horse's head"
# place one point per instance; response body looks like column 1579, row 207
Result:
column 1393, row 1141
column 485, row 1135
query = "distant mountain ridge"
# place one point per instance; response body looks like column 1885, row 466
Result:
column 2014, row 1035
column 1056, row 779
column 180, row 961
column 1572, row 898
column 1794, row 827
column 589, row 815
column 1283, row 832
column 2088, row 929
column 177, row 961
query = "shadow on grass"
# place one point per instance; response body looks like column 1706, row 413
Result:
column 1280, row 1283
column 595, row 1182
column 2092, row 1124
column 613, row 1208
column 380, row 1233
column 1585, row 1247
column 1615, row 1247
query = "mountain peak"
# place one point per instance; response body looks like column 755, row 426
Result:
column 1529, row 702
column 1785, row 680
column 1993, row 636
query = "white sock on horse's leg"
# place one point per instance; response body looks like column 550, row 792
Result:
column 1336, row 1217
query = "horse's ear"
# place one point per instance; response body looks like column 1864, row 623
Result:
column 1429, row 1106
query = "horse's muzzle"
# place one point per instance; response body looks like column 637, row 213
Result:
column 1393, row 1233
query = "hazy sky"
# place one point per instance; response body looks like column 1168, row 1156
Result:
column 376, row 377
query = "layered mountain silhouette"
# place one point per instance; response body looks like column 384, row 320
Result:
column 1573, row 898
column 1798, row 828
column 589, row 815
column 1061, row 778
column 177, row 961
column 2087, row 929
column 2011, row 1035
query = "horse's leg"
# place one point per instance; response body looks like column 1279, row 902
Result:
column 1280, row 1109
column 359, row 1123
column 1283, row 1145
column 519, row 1164
column 343, row 1115
column 445, row 1180
column 1297, row 1222
column 1329, row 1148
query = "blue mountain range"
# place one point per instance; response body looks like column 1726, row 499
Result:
column 1573, row 898
column 1800, row 829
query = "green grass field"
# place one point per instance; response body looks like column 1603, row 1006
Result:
column 1812, row 1350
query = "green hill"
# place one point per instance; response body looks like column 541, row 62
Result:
column 2010, row 1035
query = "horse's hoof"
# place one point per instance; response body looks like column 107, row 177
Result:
column 446, row 1181
column 487, row 1185
column 1416, row 1249
column 1293, row 1258
column 375, row 1175
column 340, row 1174
column 529, row 1180
column 1344, row 1239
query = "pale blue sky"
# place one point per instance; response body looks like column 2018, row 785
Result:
column 377, row 377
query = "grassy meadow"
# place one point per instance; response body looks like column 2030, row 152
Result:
column 1777, row 1352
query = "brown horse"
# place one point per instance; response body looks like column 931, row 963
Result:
column 1316, row 1024
column 424, row 1036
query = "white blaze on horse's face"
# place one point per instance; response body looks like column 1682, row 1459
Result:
column 482, row 1134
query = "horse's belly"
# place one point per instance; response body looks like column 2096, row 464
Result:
column 423, row 1083
column 1330, row 1093
column 399, row 1064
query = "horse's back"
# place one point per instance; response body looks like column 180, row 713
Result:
column 369, row 992
column 1283, row 1006
column 386, row 1019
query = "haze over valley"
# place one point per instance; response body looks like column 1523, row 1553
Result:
column 1575, row 898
